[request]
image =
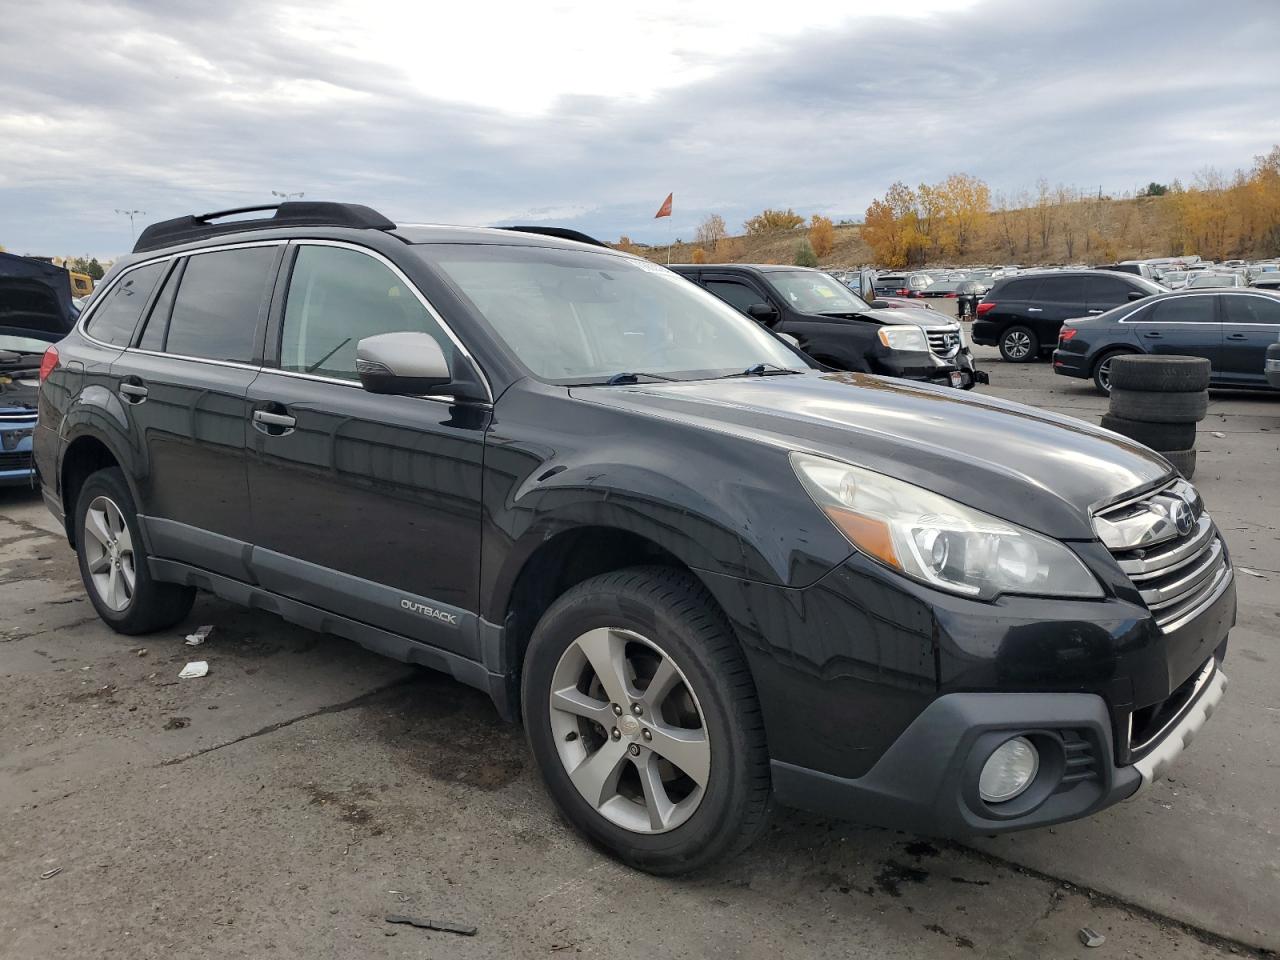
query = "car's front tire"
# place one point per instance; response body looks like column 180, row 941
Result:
column 1019, row 345
column 643, row 718
column 113, row 560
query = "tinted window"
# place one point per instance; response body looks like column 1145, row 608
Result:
column 113, row 320
column 1061, row 289
column 735, row 294
column 1248, row 309
column 1107, row 291
column 1184, row 310
column 337, row 297
column 1019, row 289
column 153, row 332
column 215, row 313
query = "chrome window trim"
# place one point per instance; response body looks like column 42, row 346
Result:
column 433, row 397
column 1178, row 296
column 427, row 305
column 87, row 315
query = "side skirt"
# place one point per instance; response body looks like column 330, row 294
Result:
column 380, row 641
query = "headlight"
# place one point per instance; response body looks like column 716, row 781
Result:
column 905, row 337
column 938, row 541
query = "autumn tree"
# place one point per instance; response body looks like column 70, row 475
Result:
column 966, row 204
column 822, row 235
column 1044, row 214
column 698, row 256
column 773, row 221
column 711, row 231
column 625, row 244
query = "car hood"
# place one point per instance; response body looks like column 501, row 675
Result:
column 1037, row 469
column 921, row 318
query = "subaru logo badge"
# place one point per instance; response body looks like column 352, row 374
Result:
column 1182, row 518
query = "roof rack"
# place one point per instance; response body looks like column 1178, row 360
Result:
column 564, row 233
column 294, row 213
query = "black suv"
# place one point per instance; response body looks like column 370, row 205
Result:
column 836, row 327
column 706, row 575
column 1022, row 314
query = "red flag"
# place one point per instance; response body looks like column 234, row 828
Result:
column 665, row 209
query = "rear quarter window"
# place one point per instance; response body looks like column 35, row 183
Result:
column 1018, row 289
column 115, row 318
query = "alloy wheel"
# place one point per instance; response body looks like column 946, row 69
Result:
column 109, row 553
column 629, row 730
column 1104, row 374
column 1017, row 344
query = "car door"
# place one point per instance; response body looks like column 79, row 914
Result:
column 1057, row 298
column 366, row 505
column 1187, row 324
column 184, row 389
column 739, row 292
column 1250, row 324
column 1106, row 293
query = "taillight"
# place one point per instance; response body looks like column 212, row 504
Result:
column 903, row 292
column 1066, row 334
column 985, row 307
column 48, row 363
column 951, row 296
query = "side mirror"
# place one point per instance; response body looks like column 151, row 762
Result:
column 402, row 363
column 762, row 312
column 1136, row 295
column 880, row 305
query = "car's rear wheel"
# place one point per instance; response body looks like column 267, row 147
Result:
column 1019, row 345
column 113, row 560
column 641, row 713
column 1102, row 370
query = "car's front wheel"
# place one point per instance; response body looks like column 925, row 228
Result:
column 643, row 718
column 113, row 560
column 1019, row 345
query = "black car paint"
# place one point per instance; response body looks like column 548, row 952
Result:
column 843, row 342
column 1236, row 351
column 1044, row 316
column 476, row 503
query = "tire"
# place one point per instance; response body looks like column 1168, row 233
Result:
column 633, row 611
column 1019, row 345
column 110, row 551
column 1189, row 407
column 1161, row 374
column 1157, row 436
column 1184, row 461
column 1102, row 370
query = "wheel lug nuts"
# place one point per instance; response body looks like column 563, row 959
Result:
column 637, row 709
column 634, row 749
column 647, row 735
column 616, row 734
column 617, row 710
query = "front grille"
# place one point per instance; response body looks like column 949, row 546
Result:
column 8, row 414
column 18, row 460
column 1178, row 570
column 945, row 343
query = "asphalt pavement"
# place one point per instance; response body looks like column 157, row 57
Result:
column 305, row 789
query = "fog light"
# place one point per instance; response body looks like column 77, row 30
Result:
column 1009, row 770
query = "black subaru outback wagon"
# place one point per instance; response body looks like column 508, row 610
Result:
column 706, row 575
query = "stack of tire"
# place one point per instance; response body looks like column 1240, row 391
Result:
column 1157, row 401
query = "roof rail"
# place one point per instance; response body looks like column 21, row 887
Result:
column 293, row 213
column 564, row 233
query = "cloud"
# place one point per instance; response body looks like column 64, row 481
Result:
column 517, row 113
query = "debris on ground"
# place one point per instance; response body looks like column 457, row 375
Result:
column 1091, row 937
column 177, row 723
column 194, row 670
column 50, row 873
column 443, row 926
column 200, row 636
column 1252, row 573
column 1219, row 434
column 140, row 651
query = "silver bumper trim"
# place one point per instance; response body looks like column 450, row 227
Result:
column 1155, row 764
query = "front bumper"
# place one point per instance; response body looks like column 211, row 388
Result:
column 927, row 782
column 16, row 465
column 1272, row 367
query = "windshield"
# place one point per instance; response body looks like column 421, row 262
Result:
column 810, row 292
column 575, row 316
column 1211, row 280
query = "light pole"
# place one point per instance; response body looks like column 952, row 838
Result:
column 288, row 196
column 131, row 214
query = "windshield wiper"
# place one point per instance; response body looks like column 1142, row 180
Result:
column 761, row 370
column 619, row 378
column 320, row 363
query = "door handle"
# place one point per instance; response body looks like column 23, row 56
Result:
column 1095, row 311
column 1035, row 309
column 133, row 392
column 274, row 419
column 1152, row 335
column 1237, row 336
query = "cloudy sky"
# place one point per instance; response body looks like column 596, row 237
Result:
column 587, row 114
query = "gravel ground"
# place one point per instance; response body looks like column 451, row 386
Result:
column 303, row 790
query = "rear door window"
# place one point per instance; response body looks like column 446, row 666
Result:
column 220, row 304
column 1018, row 289
column 1251, row 309
column 1184, row 310
column 114, row 319
column 1061, row 290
